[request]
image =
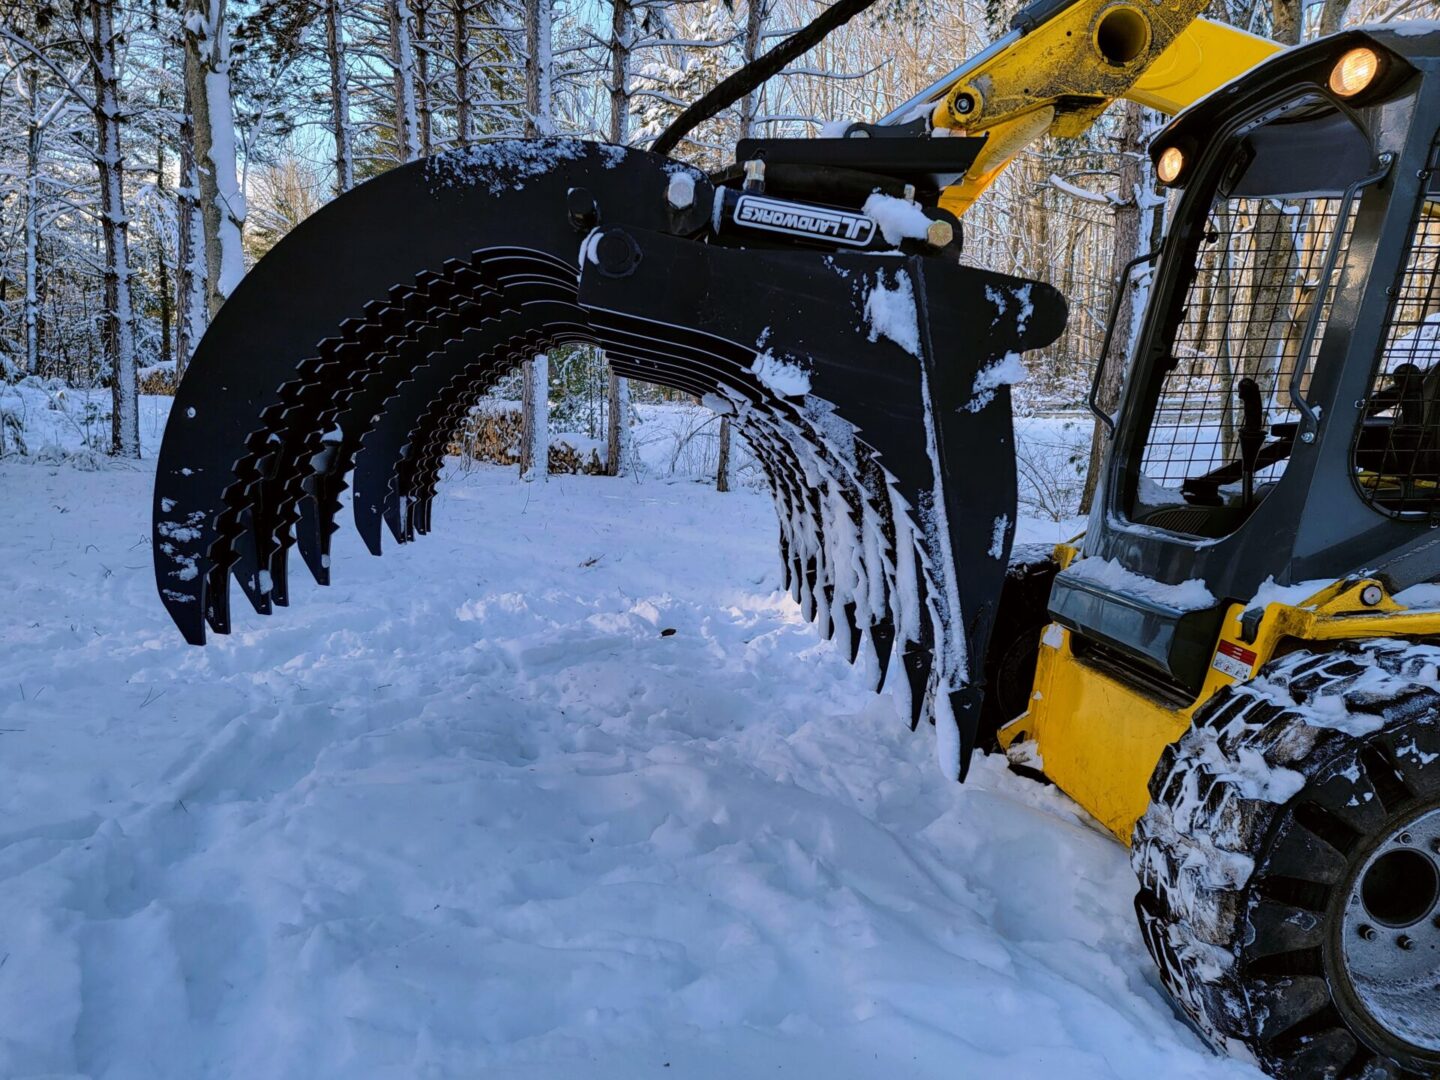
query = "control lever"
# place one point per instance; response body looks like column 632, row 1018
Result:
column 1251, row 435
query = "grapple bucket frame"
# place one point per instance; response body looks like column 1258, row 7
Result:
column 867, row 385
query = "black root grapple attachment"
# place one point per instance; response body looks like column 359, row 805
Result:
column 866, row 385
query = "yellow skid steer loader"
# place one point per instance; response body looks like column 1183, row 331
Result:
column 1234, row 670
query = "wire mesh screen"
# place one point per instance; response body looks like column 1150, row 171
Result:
column 1256, row 280
column 1397, row 446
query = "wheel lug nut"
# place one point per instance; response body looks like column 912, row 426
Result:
column 1406, row 838
column 1405, row 942
column 1367, row 932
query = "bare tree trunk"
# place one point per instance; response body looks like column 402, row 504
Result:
column 535, row 426
column 749, row 109
column 422, row 74
column 162, row 258
column 222, row 207
column 402, row 65
column 190, row 289
column 533, row 416
column 1286, row 20
column 754, row 28
column 539, row 68
column 119, row 332
column 1128, row 240
column 339, row 98
column 459, row 12
column 722, row 470
column 33, row 135
column 1332, row 15
column 619, row 449
column 617, row 396
column 621, row 42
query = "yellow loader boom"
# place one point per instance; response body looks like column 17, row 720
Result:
column 1062, row 64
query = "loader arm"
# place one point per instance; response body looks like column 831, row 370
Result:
column 1061, row 66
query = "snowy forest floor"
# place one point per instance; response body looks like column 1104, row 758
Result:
column 476, row 809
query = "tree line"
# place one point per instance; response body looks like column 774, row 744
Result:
column 151, row 150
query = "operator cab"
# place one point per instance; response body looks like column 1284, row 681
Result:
column 1280, row 418
column 1248, row 319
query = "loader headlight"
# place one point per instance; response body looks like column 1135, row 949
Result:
column 1355, row 71
column 1169, row 167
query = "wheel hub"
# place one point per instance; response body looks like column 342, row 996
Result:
column 1390, row 932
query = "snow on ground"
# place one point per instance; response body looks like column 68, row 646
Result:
column 565, row 789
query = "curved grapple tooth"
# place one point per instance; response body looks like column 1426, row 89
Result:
column 918, row 660
column 847, row 611
column 882, row 640
column 541, row 288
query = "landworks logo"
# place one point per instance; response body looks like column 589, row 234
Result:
column 772, row 215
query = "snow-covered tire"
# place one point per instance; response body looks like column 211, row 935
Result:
column 1275, row 825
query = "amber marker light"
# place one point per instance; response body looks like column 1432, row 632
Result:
column 1355, row 71
column 1170, row 163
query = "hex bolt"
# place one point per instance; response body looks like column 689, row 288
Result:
column 939, row 234
column 1405, row 942
column 681, row 191
column 1367, row 932
column 965, row 104
column 1435, row 845
column 1307, row 436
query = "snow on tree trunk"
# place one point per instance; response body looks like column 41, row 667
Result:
column 535, row 427
column 222, row 206
column 539, row 69
column 402, row 67
column 339, row 98
column 119, row 334
column 34, row 133
column 190, row 293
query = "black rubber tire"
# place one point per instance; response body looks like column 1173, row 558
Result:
column 1260, row 818
column 1015, row 641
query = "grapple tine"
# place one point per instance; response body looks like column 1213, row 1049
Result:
column 882, row 640
column 847, row 611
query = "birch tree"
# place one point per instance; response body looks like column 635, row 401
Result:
column 402, row 64
column 539, row 73
column 617, row 389
column 222, row 206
